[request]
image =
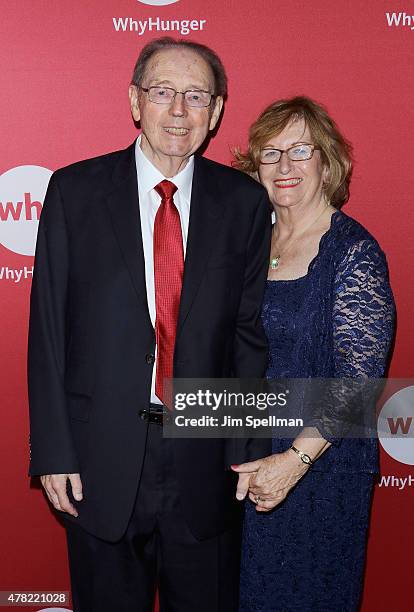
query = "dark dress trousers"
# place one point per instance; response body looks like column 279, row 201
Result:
column 92, row 344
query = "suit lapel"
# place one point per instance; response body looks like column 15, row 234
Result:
column 205, row 212
column 123, row 208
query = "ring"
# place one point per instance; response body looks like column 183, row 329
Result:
column 257, row 499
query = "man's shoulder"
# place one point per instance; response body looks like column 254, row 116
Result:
column 93, row 167
column 229, row 177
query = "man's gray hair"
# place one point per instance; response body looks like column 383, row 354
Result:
column 160, row 44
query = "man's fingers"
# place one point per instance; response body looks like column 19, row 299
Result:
column 242, row 486
column 65, row 504
column 53, row 498
column 55, row 487
column 76, row 484
column 59, row 485
column 50, row 492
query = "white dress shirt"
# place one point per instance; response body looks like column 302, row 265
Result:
column 149, row 200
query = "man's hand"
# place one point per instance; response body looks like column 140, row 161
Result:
column 55, row 487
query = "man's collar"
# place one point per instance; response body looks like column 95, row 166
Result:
column 149, row 175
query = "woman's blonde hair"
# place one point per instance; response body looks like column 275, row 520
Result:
column 335, row 150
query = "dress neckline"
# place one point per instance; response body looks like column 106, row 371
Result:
column 322, row 240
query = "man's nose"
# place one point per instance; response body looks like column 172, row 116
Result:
column 285, row 164
column 178, row 107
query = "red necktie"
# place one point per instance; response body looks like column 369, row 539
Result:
column 168, row 276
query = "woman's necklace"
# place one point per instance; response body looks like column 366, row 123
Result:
column 274, row 261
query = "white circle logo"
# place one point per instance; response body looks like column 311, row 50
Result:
column 396, row 426
column 22, row 191
column 157, row 2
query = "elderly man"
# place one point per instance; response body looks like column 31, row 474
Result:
column 150, row 263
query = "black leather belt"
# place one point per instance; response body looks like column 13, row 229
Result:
column 157, row 414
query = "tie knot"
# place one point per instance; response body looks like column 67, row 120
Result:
column 166, row 189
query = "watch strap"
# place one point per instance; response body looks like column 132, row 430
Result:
column 304, row 457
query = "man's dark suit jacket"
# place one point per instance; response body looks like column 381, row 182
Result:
column 91, row 341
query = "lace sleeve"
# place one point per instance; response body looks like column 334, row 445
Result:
column 362, row 330
column 363, row 313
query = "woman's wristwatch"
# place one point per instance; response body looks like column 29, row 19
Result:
column 304, row 457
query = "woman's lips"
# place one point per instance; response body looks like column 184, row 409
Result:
column 287, row 183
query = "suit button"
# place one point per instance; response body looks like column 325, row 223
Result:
column 149, row 358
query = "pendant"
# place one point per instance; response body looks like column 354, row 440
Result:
column 274, row 263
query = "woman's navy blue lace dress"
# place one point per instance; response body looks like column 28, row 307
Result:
column 308, row 554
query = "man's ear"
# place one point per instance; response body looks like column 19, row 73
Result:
column 134, row 102
column 215, row 115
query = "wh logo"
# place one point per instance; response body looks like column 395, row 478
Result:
column 14, row 210
column 399, row 425
column 22, row 191
column 396, row 426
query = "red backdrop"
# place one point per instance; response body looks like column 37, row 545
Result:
column 65, row 70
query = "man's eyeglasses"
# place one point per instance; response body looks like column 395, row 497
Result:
column 299, row 152
column 196, row 98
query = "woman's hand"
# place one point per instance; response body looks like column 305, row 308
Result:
column 272, row 478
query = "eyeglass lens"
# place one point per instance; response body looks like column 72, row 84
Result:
column 165, row 95
column 298, row 152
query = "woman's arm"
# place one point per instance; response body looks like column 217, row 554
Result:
column 363, row 326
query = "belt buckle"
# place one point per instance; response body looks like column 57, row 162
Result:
column 151, row 416
column 156, row 417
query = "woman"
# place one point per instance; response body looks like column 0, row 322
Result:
column 328, row 312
